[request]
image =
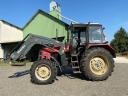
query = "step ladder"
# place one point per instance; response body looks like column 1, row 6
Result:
column 75, row 63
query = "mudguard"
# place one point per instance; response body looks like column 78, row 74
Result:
column 105, row 46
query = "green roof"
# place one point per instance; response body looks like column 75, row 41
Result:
column 48, row 15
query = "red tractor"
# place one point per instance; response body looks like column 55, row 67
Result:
column 86, row 51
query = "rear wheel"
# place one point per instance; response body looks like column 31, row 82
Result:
column 97, row 64
column 43, row 72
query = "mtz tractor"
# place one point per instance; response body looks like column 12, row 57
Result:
column 85, row 50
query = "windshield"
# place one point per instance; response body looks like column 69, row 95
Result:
column 96, row 34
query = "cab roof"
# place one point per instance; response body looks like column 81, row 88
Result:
column 82, row 27
column 85, row 25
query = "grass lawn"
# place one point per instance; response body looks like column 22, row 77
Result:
column 25, row 63
column 4, row 63
column 125, row 54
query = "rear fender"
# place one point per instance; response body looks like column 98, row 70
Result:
column 105, row 46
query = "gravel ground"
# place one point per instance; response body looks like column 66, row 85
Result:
column 116, row 85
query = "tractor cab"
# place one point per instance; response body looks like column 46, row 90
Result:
column 82, row 34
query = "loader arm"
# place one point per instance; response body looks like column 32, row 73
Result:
column 32, row 40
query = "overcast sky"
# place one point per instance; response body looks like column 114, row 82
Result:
column 111, row 13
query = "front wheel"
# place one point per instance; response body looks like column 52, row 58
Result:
column 43, row 72
column 97, row 64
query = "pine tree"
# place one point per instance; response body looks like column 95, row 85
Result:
column 120, row 41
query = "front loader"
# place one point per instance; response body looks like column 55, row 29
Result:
column 86, row 51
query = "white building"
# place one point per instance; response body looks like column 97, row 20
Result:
column 9, row 36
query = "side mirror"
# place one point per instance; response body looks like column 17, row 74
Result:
column 106, row 42
column 103, row 28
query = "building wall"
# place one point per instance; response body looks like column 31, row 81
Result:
column 55, row 14
column 9, row 33
column 44, row 26
column 1, row 52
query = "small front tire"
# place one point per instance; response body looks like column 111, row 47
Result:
column 43, row 72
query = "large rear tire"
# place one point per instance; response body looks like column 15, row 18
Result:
column 43, row 72
column 97, row 64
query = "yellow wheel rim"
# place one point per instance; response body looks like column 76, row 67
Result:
column 98, row 66
column 43, row 73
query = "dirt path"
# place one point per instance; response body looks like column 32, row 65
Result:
column 121, row 60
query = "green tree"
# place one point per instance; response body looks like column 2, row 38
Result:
column 120, row 41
